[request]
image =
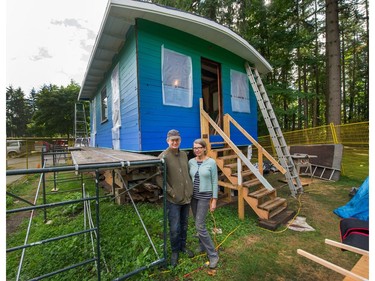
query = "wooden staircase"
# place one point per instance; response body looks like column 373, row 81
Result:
column 263, row 201
column 238, row 173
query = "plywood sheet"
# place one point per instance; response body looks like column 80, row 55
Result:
column 92, row 155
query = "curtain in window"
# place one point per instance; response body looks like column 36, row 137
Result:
column 240, row 92
column 116, row 116
column 93, row 131
column 177, row 79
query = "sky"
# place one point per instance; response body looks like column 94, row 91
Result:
column 44, row 41
column 50, row 41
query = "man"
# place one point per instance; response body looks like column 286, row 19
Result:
column 179, row 193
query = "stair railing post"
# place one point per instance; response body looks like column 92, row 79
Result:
column 205, row 126
column 241, row 203
column 227, row 125
column 260, row 161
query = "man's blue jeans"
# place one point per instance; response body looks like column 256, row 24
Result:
column 178, row 224
column 200, row 210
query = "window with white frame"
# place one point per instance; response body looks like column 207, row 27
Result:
column 177, row 79
column 239, row 92
column 104, row 104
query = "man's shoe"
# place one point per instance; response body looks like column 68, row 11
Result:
column 174, row 259
column 213, row 262
column 189, row 253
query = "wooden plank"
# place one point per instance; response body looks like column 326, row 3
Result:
column 269, row 205
column 360, row 268
column 274, row 222
column 331, row 266
column 347, row 247
column 252, row 182
column 91, row 155
column 260, row 193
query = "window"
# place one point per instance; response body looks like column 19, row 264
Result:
column 177, row 79
column 240, row 92
column 104, row 104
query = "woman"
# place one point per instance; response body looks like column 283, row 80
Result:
column 203, row 172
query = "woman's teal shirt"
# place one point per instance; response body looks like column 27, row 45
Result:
column 208, row 177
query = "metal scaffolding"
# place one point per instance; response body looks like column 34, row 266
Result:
column 94, row 228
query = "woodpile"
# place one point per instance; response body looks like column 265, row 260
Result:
column 144, row 192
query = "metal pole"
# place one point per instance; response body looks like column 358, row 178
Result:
column 164, row 210
column 44, row 189
column 97, row 222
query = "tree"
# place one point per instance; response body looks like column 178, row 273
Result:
column 333, row 63
column 54, row 115
column 18, row 112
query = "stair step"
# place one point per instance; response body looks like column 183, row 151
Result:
column 228, row 157
column 261, row 193
column 278, row 211
column 222, row 149
column 233, row 165
column 250, row 183
column 272, row 204
column 244, row 173
column 227, row 184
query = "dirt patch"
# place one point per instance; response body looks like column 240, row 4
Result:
column 14, row 220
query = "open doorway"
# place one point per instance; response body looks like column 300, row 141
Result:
column 211, row 90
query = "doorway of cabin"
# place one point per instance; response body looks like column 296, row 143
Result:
column 211, row 91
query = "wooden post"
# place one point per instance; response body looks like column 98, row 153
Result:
column 226, row 125
column 205, row 127
column 260, row 161
column 241, row 205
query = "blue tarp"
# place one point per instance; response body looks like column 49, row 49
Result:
column 358, row 206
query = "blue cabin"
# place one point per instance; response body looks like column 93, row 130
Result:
column 150, row 67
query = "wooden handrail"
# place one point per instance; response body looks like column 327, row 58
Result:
column 205, row 120
column 253, row 141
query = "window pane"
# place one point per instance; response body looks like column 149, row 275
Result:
column 177, row 79
column 104, row 104
column 240, row 92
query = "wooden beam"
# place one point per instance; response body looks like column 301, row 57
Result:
column 347, row 247
column 331, row 266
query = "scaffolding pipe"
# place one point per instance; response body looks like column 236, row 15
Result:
column 78, row 168
column 63, row 269
column 97, row 223
column 49, row 240
column 50, row 205
column 82, row 167
column 28, row 231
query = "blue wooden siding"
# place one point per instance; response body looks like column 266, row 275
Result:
column 103, row 129
column 129, row 134
column 155, row 118
column 129, row 131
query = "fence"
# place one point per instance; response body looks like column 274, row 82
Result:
column 356, row 134
column 354, row 137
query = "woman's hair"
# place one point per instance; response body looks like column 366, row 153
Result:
column 202, row 142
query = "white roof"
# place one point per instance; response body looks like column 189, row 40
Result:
column 120, row 15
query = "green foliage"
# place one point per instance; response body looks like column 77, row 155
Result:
column 54, row 113
column 291, row 36
column 18, row 112
column 247, row 252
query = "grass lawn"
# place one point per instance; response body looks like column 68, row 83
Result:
column 247, row 252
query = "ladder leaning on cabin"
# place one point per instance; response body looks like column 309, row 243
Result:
column 274, row 129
